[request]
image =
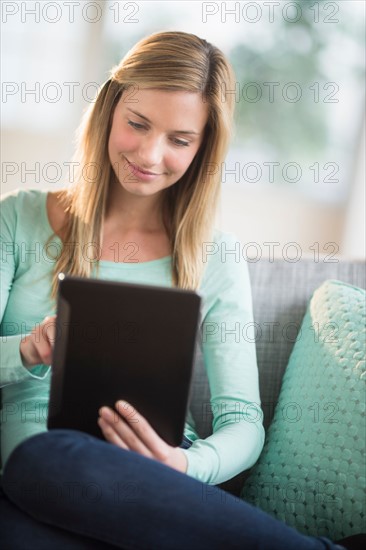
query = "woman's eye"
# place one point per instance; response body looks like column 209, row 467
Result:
column 180, row 142
column 136, row 125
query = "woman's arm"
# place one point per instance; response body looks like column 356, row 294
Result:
column 13, row 367
column 228, row 344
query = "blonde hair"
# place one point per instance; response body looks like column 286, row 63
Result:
column 166, row 61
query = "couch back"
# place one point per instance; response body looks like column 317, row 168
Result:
column 281, row 291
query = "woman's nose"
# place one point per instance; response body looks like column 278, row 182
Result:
column 150, row 151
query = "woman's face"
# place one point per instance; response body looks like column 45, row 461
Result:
column 154, row 137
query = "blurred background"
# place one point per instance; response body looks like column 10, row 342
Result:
column 294, row 179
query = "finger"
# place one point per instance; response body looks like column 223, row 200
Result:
column 158, row 447
column 42, row 344
column 124, row 432
column 37, row 347
column 43, row 338
column 49, row 330
column 110, row 434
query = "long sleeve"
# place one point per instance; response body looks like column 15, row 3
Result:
column 228, row 343
column 12, row 369
column 229, row 357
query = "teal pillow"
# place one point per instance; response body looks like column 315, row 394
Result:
column 311, row 473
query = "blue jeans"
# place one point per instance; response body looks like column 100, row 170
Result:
column 73, row 491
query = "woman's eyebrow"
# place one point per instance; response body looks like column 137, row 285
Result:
column 174, row 131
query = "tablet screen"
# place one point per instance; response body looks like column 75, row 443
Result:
column 123, row 341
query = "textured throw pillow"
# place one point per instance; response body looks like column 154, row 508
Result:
column 311, row 473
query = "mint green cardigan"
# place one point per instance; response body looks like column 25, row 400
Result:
column 230, row 362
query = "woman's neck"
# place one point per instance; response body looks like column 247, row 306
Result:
column 133, row 213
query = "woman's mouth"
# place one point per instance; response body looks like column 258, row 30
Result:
column 140, row 173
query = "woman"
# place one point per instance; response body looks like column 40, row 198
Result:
column 149, row 154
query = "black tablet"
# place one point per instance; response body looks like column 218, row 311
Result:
column 123, row 341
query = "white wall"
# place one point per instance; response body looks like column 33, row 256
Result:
column 256, row 213
column 273, row 214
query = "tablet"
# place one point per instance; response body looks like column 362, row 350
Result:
column 123, row 341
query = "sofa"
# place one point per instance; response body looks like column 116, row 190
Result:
column 281, row 291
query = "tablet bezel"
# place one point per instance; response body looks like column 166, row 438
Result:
column 163, row 329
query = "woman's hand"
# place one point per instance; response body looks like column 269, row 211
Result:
column 37, row 347
column 130, row 430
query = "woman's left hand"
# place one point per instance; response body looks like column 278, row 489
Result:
column 128, row 429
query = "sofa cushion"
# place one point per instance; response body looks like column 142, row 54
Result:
column 281, row 291
column 311, row 473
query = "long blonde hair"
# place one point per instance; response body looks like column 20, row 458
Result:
column 166, row 61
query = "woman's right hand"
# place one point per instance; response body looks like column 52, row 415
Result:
column 37, row 347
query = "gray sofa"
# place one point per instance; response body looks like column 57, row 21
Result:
column 281, row 291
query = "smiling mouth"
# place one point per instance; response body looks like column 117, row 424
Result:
column 138, row 169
